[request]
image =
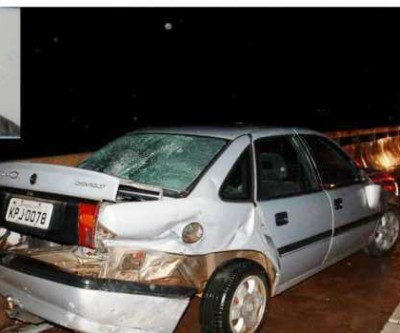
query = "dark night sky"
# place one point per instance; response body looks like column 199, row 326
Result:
column 89, row 75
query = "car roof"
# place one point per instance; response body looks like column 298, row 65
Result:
column 227, row 132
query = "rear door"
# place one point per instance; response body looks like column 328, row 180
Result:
column 297, row 214
column 354, row 222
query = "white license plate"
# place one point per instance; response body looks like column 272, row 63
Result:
column 28, row 212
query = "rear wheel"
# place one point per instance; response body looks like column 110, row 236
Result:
column 386, row 234
column 235, row 299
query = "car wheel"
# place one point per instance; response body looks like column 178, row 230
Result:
column 235, row 299
column 386, row 234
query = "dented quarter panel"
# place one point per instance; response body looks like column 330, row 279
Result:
column 158, row 225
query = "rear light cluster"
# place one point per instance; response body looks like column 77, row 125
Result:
column 87, row 218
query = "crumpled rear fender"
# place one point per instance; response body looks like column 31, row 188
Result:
column 228, row 226
column 158, row 226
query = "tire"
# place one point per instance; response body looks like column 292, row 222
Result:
column 386, row 234
column 236, row 294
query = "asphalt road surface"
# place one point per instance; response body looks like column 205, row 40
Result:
column 357, row 294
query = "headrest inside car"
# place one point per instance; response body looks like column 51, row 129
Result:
column 272, row 167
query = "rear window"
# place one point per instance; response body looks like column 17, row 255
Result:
column 169, row 161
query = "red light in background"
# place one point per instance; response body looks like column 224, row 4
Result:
column 387, row 181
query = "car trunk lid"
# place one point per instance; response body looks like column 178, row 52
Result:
column 59, row 203
column 58, row 179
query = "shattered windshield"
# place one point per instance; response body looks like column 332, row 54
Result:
column 169, row 161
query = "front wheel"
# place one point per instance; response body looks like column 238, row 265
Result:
column 386, row 234
column 235, row 299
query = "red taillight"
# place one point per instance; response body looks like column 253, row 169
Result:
column 87, row 217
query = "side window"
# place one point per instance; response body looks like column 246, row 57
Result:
column 283, row 168
column 237, row 185
column 335, row 167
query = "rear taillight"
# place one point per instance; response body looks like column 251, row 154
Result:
column 87, row 217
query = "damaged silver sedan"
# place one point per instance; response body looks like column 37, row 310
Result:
column 232, row 215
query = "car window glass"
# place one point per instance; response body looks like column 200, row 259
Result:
column 335, row 167
column 237, row 185
column 283, row 168
column 171, row 161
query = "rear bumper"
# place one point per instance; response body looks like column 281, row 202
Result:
column 91, row 304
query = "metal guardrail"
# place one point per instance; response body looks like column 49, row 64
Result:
column 377, row 148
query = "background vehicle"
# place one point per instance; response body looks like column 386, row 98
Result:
column 384, row 178
column 236, row 215
column 380, row 159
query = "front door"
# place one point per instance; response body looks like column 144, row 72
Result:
column 354, row 222
column 296, row 211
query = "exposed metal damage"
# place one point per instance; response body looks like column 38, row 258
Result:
column 131, row 265
column 124, row 264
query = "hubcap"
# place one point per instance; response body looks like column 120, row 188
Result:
column 387, row 231
column 248, row 305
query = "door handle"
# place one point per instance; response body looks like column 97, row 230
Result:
column 338, row 203
column 281, row 218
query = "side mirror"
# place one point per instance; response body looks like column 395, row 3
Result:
column 373, row 194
